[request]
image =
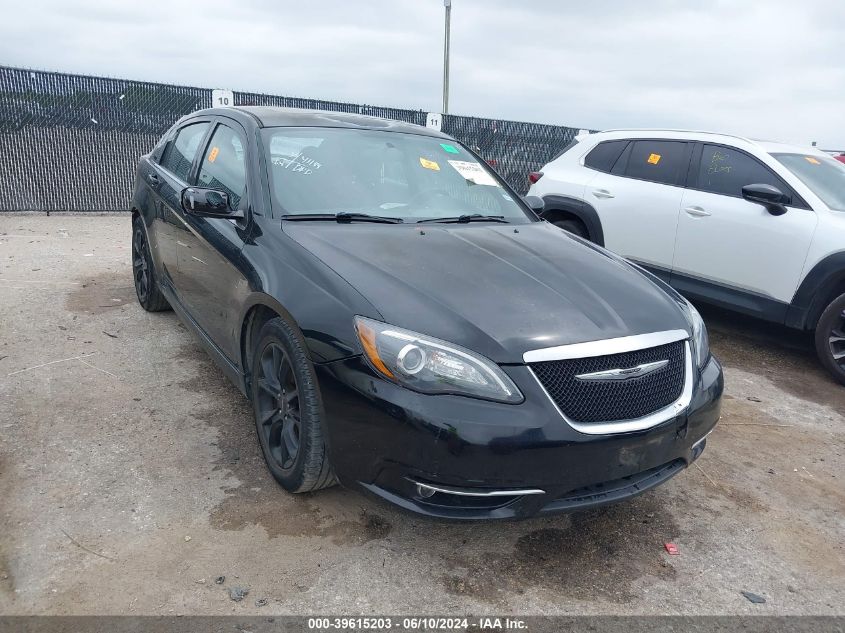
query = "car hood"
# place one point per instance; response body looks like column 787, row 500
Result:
column 499, row 290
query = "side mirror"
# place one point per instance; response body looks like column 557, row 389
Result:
column 770, row 197
column 535, row 203
column 209, row 203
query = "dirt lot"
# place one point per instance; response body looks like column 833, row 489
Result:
column 130, row 478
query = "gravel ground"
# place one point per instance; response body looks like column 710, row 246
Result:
column 131, row 479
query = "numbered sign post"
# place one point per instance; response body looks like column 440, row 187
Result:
column 434, row 120
column 222, row 99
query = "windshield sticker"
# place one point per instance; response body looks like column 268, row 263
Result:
column 429, row 164
column 212, row 155
column 473, row 172
column 449, row 148
column 654, row 158
column 814, row 161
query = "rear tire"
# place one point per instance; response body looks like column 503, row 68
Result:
column 576, row 227
column 143, row 270
column 830, row 338
column 288, row 410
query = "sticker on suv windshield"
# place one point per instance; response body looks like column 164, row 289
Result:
column 429, row 164
column 212, row 155
column 473, row 172
column 810, row 159
column 654, row 158
column 449, row 148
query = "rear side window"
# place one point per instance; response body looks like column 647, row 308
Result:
column 179, row 154
column 726, row 171
column 223, row 165
column 657, row 161
column 604, row 155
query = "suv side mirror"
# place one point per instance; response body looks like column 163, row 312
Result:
column 209, row 203
column 535, row 203
column 770, row 197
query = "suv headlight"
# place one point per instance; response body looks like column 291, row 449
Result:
column 700, row 341
column 430, row 365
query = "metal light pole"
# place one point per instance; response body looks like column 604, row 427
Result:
column 448, row 5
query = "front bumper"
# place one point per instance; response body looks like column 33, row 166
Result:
column 400, row 445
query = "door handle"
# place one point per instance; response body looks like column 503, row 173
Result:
column 153, row 179
column 697, row 212
column 602, row 193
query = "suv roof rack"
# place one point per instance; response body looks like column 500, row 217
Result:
column 664, row 129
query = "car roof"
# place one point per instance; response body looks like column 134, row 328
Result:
column 776, row 147
column 701, row 135
column 270, row 116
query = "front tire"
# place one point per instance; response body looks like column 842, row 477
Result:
column 288, row 410
column 830, row 338
column 143, row 271
column 576, row 227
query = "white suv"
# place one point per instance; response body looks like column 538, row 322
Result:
column 754, row 226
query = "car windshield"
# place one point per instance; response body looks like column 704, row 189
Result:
column 408, row 176
column 824, row 175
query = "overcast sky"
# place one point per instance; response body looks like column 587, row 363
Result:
column 771, row 69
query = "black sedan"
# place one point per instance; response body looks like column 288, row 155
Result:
column 403, row 323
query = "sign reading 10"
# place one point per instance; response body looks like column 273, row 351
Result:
column 222, row 98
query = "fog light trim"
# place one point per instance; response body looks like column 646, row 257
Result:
column 427, row 490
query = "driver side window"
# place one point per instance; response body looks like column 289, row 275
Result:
column 224, row 165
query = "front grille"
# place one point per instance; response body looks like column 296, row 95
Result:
column 614, row 400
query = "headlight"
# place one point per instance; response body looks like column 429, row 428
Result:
column 430, row 365
column 700, row 341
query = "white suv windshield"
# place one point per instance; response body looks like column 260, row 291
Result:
column 824, row 175
column 408, row 176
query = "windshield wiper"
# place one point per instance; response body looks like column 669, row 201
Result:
column 343, row 217
column 465, row 219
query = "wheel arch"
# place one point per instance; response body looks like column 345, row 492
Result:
column 824, row 282
column 559, row 208
column 257, row 311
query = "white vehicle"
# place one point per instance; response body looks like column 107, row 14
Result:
column 754, row 226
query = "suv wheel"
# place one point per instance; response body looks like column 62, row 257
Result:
column 575, row 227
column 830, row 338
column 146, row 286
column 288, row 410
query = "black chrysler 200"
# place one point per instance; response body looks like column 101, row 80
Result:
column 403, row 323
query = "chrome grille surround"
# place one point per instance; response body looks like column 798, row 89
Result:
column 608, row 347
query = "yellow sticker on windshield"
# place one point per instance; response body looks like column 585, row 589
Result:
column 810, row 159
column 654, row 158
column 212, row 155
column 429, row 164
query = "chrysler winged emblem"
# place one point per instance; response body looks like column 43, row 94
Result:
column 624, row 374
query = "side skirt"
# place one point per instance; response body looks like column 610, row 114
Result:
column 730, row 298
column 232, row 372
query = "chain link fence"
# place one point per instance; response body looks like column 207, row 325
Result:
column 71, row 142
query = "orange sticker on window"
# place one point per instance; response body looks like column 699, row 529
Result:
column 810, row 159
column 654, row 158
column 429, row 164
column 212, row 155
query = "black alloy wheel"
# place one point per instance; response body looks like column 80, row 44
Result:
column 143, row 271
column 830, row 338
column 277, row 407
column 140, row 267
column 288, row 409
